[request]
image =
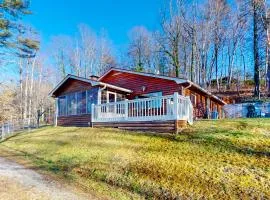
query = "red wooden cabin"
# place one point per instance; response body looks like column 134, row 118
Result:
column 132, row 100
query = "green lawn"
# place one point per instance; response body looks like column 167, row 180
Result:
column 226, row 159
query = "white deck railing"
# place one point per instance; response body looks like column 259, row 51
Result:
column 171, row 107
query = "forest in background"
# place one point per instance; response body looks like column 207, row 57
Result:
column 220, row 45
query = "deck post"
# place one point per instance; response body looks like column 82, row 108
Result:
column 175, row 103
column 175, row 108
column 126, row 108
column 92, row 113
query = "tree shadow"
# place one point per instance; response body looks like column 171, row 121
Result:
column 223, row 143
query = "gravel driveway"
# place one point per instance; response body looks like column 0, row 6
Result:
column 20, row 183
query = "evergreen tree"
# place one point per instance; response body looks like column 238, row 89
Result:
column 12, row 32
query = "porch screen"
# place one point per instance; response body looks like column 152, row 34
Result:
column 71, row 104
column 62, row 106
column 92, row 96
column 81, row 101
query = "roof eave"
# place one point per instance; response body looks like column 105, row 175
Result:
column 93, row 83
column 208, row 93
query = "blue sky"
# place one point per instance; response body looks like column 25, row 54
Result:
column 117, row 17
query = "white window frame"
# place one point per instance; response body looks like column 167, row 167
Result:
column 195, row 98
column 115, row 97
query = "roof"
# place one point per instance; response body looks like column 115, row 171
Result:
column 206, row 92
column 177, row 80
column 92, row 82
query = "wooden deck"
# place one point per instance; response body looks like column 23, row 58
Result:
column 172, row 126
column 168, row 113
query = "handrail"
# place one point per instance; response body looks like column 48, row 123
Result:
column 170, row 107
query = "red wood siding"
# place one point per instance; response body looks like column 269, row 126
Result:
column 72, row 85
column 135, row 83
column 75, row 120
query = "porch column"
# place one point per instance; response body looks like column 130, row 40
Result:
column 92, row 114
column 175, row 100
column 56, row 111
column 126, row 108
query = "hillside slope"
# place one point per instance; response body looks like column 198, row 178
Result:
column 223, row 159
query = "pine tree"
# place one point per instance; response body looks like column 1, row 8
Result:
column 12, row 39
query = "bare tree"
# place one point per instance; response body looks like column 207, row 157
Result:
column 172, row 34
column 140, row 48
column 88, row 41
column 61, row 48
column 266, row 23
column 256, row 13
column 235, row 37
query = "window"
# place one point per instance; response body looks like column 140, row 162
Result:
column 120, row 97
column 62, row 106
column 110, row 97
column 155, row 103
column 103, row 96
column 81, row 102
column 193, row 99
column 77, row 103
column 71, row 104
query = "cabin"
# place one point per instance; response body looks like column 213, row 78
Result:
column 126, row 99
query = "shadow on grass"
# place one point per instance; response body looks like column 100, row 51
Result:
column 223, row 143
column 62, row 165
column 30, row 134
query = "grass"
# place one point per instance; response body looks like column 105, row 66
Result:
column 226, row 159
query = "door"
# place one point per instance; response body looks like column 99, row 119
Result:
column 111, row 98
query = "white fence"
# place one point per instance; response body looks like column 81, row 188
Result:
column 10, row 128
column 241, row 110
column 171, row 107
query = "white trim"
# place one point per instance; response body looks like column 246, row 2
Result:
column 174, row 107
column 195, row 98
column 115, row 87
column 108, row 99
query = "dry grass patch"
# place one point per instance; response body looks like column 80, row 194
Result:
column 226, row 159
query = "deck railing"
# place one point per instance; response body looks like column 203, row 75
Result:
column 171, row 107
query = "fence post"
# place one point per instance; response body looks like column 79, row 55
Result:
column 3, row 131
column 175, row 101
column 8, row 128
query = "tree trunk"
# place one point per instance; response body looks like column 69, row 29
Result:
column 31, row 91
column 26, row 94
column 21, row 87
column 256, row 50
column 192, row 58
column 216, row 66
column 268, row 61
